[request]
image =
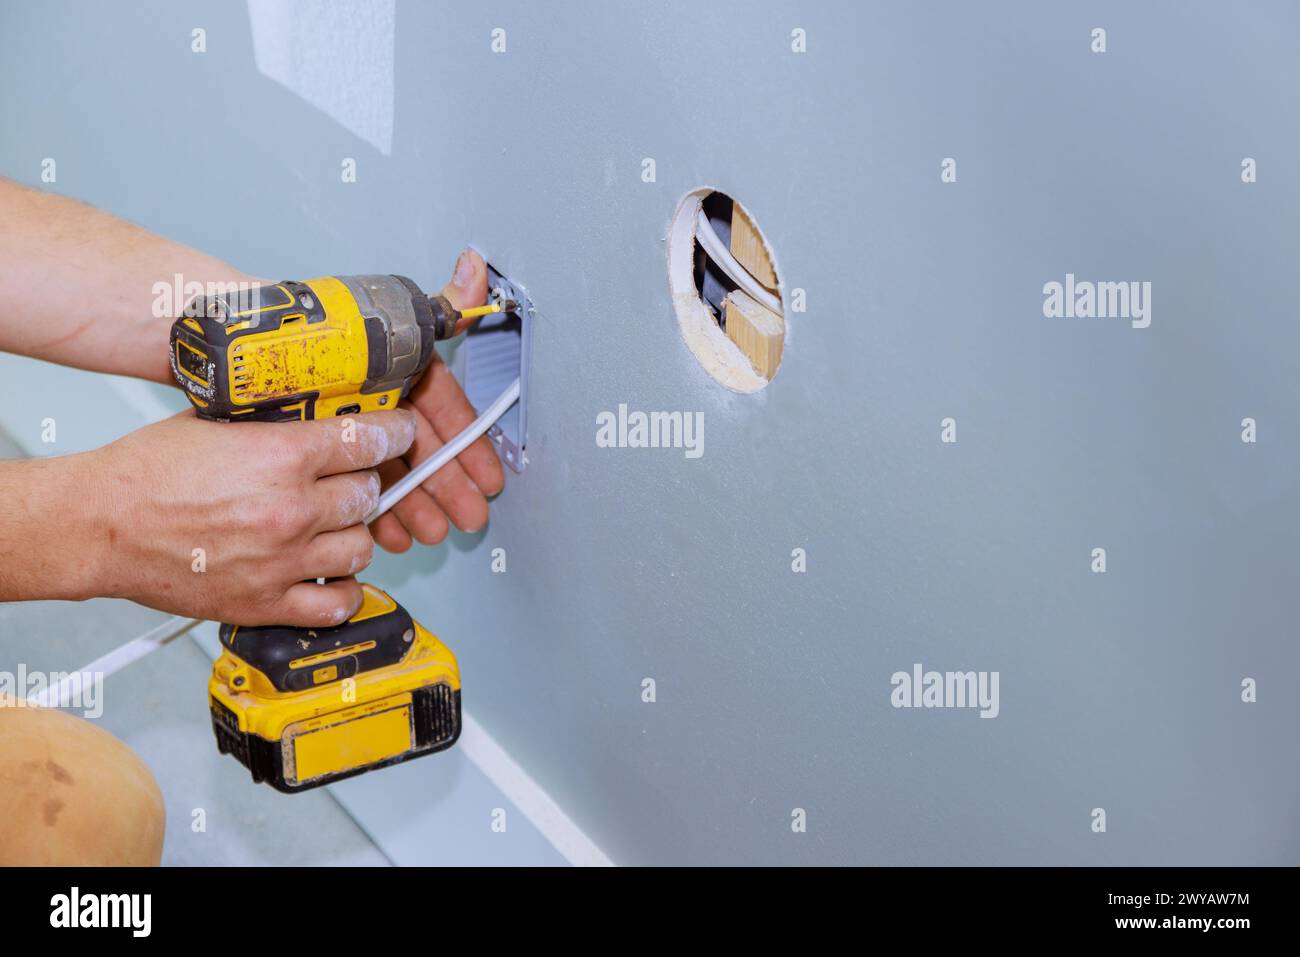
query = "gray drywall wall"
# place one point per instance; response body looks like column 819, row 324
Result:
column 925, row 300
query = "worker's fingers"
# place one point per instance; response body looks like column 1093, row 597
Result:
column 421, row 517
column 468, row 286
column 441, row 400
column 346, row 500
column 455, row 494
column 416, row 512
column 338, row 554
column 358, row 441
column 389, row 534
column 452, row 489
column 309, row 605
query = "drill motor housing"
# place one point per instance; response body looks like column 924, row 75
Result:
column 335, row 345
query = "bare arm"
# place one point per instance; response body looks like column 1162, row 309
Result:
column 38, row 496
column 163, row 517
column 78, row 285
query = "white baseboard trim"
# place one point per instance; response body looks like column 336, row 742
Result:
column 538, row 806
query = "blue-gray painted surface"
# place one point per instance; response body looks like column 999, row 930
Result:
column 1118, row 690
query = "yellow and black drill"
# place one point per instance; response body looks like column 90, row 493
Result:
column 304, row 707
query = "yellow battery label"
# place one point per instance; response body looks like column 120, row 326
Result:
column 352, row 744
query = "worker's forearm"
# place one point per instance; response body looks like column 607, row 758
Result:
column 82, row 288
column 50, row 547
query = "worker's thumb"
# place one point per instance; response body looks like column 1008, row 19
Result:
column 468, row 286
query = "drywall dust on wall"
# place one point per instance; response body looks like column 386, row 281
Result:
column 828, row 538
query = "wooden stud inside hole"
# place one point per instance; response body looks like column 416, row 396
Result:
column 726, row 290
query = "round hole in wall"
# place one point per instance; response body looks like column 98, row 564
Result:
column 726, row 290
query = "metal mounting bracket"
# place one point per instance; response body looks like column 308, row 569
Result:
column 496, row 350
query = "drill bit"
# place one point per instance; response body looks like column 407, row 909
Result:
column 474, row 312
column 465, row 317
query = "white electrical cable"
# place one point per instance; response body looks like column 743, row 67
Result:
column 738, row 274
column 115, row 660
column 132, row 651
column 448, row 452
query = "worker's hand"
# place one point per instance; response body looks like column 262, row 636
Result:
column 234, row 522
column 458, row 492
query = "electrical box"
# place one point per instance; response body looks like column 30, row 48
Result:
column 496, row 350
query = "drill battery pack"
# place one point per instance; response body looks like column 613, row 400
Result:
column 305, row 707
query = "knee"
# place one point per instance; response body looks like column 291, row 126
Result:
column 72, row 794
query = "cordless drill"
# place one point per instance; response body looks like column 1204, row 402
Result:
column 336, row 345
column 304, row 707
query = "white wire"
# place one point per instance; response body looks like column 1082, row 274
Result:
column 738, row 274
column 132, row 651
column 115, row 660
column 448, row 452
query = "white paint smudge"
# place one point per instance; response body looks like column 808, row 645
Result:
column 336, row 56
column 373, row 441
column 359, row 562
column 359, row 501
column 336, row 616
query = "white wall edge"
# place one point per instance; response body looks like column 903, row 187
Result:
column 529, row 796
